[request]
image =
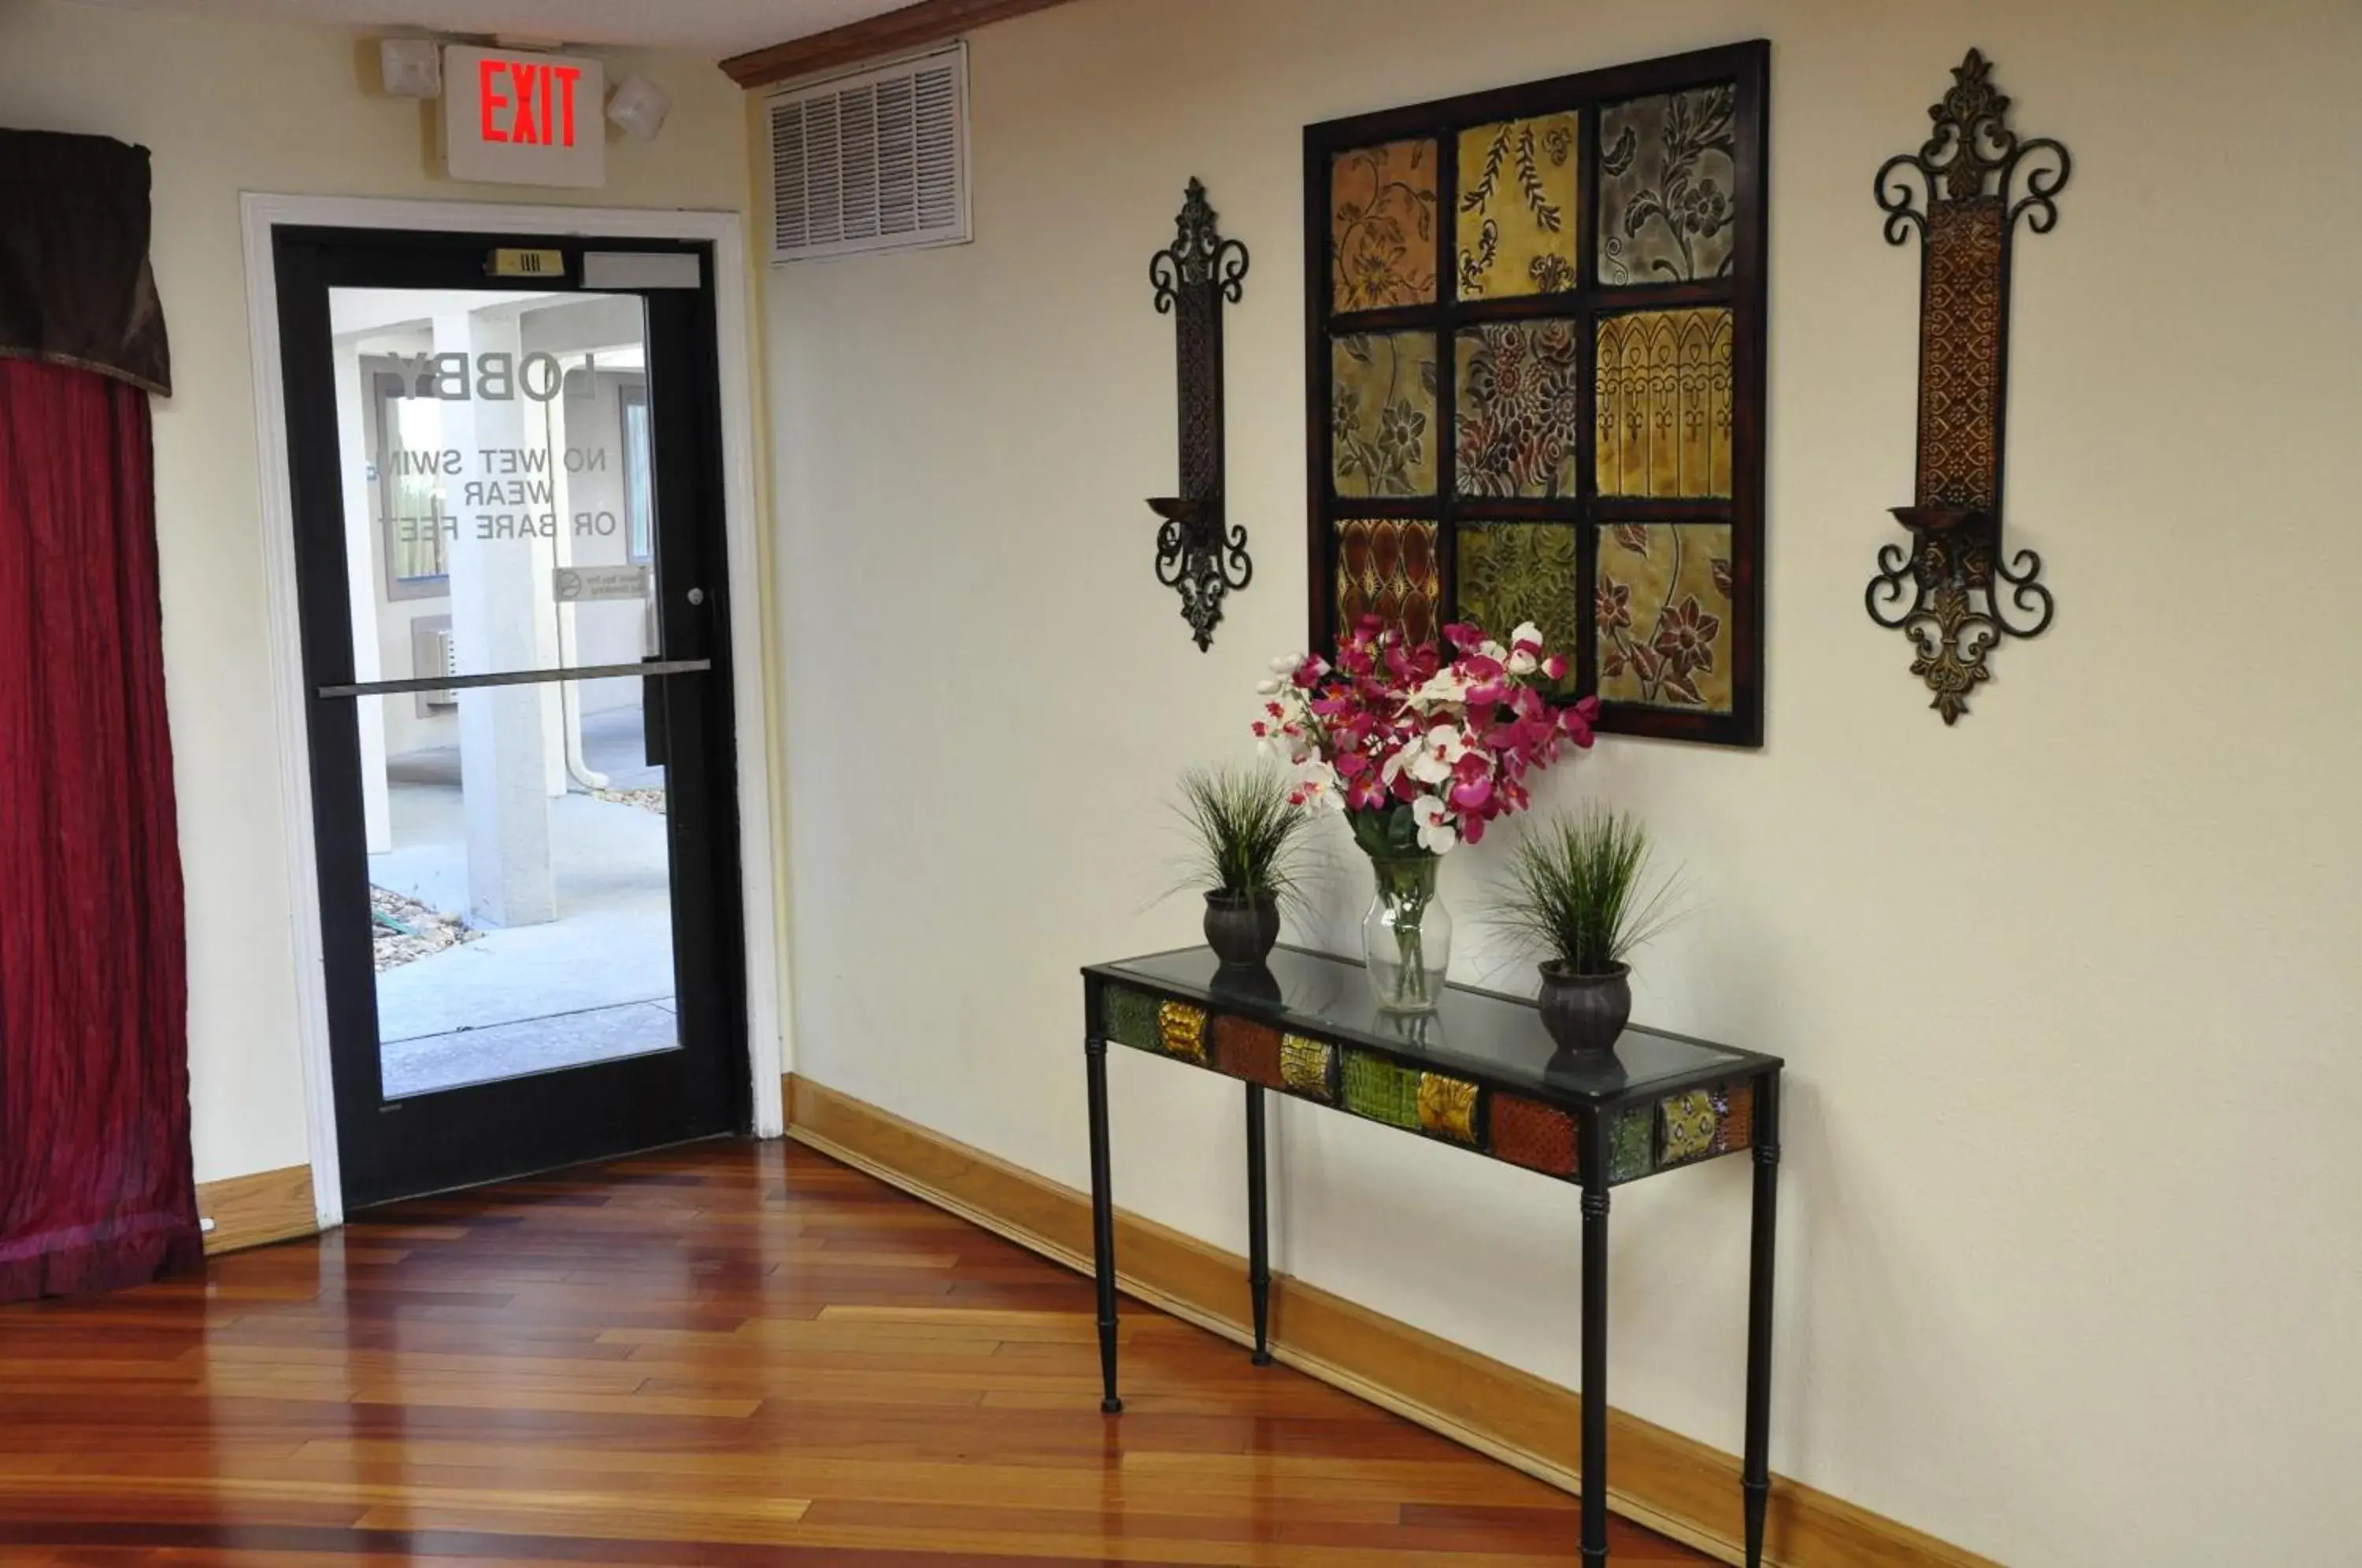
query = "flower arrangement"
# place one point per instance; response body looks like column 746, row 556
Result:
column 1420, row 755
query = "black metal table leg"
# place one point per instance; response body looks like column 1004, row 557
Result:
column 1756, row 1477
column 1102, row 1217
column 1258, row 1228
column 1595, row 1340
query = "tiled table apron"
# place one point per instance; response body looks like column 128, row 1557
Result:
column 1480, row 1073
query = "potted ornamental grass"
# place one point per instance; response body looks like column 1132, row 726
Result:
column 1580, row 894
column 1420, row 750
column 1247, row 829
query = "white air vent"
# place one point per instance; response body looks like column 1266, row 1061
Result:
column 877, row 160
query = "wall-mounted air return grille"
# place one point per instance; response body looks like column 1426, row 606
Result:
column 872, row 161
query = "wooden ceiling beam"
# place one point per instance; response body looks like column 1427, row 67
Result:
column 873, row 38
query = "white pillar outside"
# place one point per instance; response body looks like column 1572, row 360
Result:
column 566, row 618
column 499, row 580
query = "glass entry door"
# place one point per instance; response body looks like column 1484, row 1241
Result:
column 509, row 539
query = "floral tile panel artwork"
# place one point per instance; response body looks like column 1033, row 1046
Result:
column 1520, row 416
column 1383, row 424
column 1668, row 183
column 1511, row 573
column 1664, row 616
column 1663, row 403
column 1387, row 567
column 1517, row 193
column 1382, row 239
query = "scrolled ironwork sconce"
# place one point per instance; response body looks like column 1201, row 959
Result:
column 1945, row 590
column 1199, row 552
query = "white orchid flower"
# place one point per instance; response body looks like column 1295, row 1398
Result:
column 1443, row 746
column 1522, row 659
column 1318, row 787
column 1266, row 688
column 1445, row 689
column 1287, row 664
column 1435, row 835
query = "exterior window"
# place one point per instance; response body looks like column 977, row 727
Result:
column 409, row 492
column 639, row 471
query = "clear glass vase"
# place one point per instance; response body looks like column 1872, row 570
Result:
column 1407, row 935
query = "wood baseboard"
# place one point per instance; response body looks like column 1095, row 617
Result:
column 254, row 1210
column 1663, row 1480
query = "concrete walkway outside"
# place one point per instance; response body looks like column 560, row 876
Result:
column 594, row 985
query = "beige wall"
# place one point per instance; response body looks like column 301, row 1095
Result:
column 2070, row 1249
column 230, row 107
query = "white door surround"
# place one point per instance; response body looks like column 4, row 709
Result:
column 725, row 232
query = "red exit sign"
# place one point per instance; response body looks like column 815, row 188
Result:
column 515, row 117
column 529, row 102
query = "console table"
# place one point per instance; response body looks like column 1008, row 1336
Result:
column 1479, row 1073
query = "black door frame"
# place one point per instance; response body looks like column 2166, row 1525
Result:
column 511, row 1127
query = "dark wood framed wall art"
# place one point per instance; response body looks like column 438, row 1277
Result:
column 1535, row 349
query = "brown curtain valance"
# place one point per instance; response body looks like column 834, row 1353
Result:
column 75, row 287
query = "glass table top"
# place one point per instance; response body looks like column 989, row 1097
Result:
column 1484, row 1033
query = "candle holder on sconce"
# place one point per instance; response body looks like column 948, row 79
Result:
column 1954, row 591
column 1199, row 552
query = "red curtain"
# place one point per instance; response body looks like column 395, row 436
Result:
column 95, row 1188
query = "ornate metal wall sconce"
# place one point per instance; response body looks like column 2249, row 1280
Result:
column 1199, row 553
column 1965, row 204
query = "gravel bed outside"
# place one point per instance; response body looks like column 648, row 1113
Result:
column 424, row 930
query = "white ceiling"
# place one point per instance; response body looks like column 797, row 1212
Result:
column 715, row 29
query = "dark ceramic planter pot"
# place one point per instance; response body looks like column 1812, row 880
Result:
column 1584, row 1013
column 1242, row 930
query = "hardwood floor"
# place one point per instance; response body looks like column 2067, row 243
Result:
column 731, row 1354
